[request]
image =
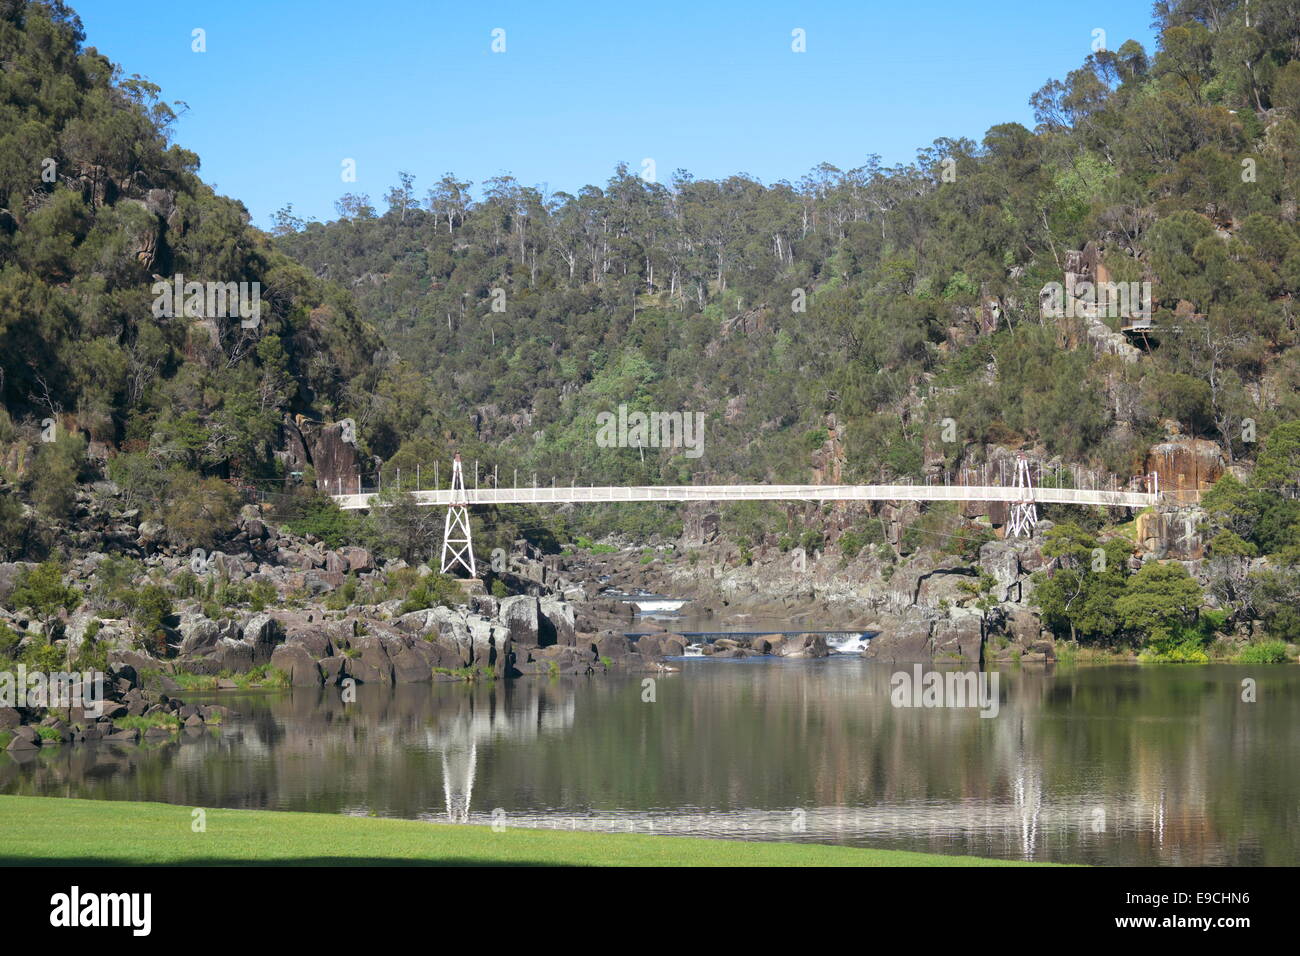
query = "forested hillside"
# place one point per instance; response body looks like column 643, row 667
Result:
column 874, row 323
column 921, row 282
column 96, row 205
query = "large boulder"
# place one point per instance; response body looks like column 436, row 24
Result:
column 611, row 644
column 296, row 661
column 413, row 660
column 198, row 635
column 1023, row 627
column 372, row 664
column 960, row 637
column 805, row 646
column 908, row 642
column 520, row 616
column 234, row 656
column 314, row 639
column 557, row 624
column 491, row 645
column 358, row 559
column 263, row 632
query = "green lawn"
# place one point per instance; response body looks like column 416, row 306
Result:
column 36, row 831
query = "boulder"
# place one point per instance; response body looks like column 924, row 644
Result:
column 413, row 661
column 520, row 616
column 960, row 637
column 298, row 662
column 908, row 642
column 805, row 646
column 9, row 718
column 372, row 664
column 314, row 640
column 198, row 635
column 1023, row 627
column 263, row 632
column 491, row 644
column 558, row 623
column 610, row 644
column 22, row 743
column 358, row 559
column 234, row 656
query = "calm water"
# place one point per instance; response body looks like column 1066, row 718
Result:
column 1117, row 764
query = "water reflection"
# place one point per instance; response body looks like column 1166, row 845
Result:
column 1118, row 765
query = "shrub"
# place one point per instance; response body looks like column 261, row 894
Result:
column 320, row 516
column 261, row 595
column 53, row 486
column 1263, row 652
column 42, row 589
column 200, row 511
column 433, row 590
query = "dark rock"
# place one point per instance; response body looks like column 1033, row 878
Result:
column 959, row 638
column 372, row 664
column 234, row 656
column 331, row 669
column 557, row 624
column 908, row 642
column 299, row 663
column 520, row 615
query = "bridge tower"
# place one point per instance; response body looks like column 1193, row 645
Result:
column 1024, row 513
column 457, row 542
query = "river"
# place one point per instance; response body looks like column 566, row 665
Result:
column 1088, row 764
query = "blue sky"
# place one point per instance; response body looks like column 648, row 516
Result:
column 287, row 90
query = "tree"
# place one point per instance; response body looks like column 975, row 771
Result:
column 200, row 512
column 1159, row 602
column 1079, row 595
column 42, row 589
column 53, row 485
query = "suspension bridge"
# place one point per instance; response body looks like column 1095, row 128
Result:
column 1022, row 495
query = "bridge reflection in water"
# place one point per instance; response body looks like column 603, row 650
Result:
column 1108, row 765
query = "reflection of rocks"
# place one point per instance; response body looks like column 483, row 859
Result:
column 127, row 692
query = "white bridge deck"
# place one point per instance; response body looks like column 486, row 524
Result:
column 584, row 494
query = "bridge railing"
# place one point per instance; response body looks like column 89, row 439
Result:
column 577, row 494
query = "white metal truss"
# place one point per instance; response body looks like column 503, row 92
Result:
column 1024, row 513
column 579, row 494
column 457, row 540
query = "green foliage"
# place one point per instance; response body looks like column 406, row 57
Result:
column 200, row 512
column 53, row 481
column 1159, row 603
column 433, row 590
column 1263, row 652
column 42, row 589
column 1078, row 597
column 149, row 607
column 318, row 515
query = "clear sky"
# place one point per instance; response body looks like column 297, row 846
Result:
column 287, row 90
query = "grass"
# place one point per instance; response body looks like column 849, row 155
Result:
column 52, row 831
column 144, row 722
column 1263, row 652
column 263, row 676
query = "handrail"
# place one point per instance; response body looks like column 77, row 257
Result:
column 579, row 494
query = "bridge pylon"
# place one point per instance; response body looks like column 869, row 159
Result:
column 457, row 540
column 1024, row 513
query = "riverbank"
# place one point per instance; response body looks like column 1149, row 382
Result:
column 53, row 831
